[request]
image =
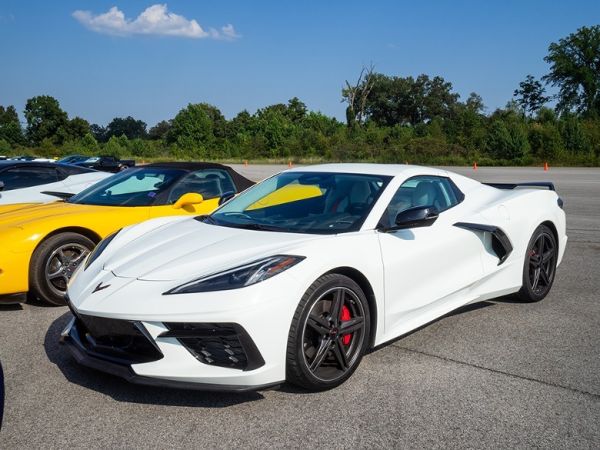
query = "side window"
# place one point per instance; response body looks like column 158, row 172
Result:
column 210, row 183
column 24, row 177
column 439, row 192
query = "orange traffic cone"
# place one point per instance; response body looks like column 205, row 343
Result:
column 546, row 166
column 475, row 165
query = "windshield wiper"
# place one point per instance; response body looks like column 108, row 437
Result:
column 252, row 226
column 206, row 219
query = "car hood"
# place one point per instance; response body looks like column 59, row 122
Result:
column 190, row 249
column 31, row 214
column 15, row 207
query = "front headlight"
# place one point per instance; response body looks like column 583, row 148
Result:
column 99, row 249
column 239, row 277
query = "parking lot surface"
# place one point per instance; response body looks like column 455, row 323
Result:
column 496, row 374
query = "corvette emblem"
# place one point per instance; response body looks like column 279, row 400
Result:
column 100, row 287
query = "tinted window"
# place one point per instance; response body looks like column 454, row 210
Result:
column 304, row 202
column 210, row 183
column 439, row 192
column 23, row 177
column 135, row 187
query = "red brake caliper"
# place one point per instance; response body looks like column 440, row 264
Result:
column 345, row 317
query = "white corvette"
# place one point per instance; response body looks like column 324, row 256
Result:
column 27, row 181
column 297, row 277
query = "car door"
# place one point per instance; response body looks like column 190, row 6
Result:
column 425, row 266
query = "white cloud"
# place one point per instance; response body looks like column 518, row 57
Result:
column 154, row 20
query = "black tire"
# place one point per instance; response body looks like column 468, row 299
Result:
column 319, row 355
column 53, row 263
column 539, row 268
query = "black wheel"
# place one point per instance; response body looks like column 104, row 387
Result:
column 53, row 263
column 540, row 265
column 329, row 333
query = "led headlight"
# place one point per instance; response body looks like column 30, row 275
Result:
column 99, row 249
column 240, row 276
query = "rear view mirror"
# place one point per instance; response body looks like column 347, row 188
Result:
column 419, row 216
column 1, row 185
column 191, row 198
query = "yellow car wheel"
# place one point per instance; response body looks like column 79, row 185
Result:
column 53, row 263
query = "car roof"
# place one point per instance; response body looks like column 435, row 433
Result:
column 18, row 163
column 373, row 169
column 240, row 181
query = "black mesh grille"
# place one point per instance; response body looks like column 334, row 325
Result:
column 223, row 344
column 122, row 341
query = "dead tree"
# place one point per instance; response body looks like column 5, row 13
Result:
column 356, row 96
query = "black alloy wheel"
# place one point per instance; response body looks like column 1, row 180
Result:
column 329, row 334
column 540, row 265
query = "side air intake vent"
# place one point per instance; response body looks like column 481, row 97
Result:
column 500, row 242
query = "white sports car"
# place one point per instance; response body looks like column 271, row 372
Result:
column 40, row 182
column 274, row 287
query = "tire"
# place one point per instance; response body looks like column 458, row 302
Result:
column 539, row 268
column 319, row 355
column 53, row 263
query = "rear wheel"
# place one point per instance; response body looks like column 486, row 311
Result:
column 329, row 333
column 53, row 264
column 540, row 265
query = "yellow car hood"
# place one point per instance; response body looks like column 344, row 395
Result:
column 16, row 206
column 34, row 214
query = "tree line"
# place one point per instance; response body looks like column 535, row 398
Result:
column 388, row 119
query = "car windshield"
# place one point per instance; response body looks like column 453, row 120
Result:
column 304, row 202
column 133, row 187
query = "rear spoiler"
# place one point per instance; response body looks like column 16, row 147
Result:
column 62, row 195
column 534, row 184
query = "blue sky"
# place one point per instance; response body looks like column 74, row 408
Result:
column 249, row 54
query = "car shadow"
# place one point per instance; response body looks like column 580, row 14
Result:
column 123, row 391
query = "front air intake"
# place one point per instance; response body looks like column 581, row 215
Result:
column 217, row 344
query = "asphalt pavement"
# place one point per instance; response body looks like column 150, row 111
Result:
column 498, row 374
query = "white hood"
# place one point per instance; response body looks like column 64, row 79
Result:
column 189, row 249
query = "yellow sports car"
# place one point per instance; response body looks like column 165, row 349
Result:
column 42, row 245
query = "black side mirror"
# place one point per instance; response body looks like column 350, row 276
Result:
column 1, row 185
column 419, row 216
column 226, row 197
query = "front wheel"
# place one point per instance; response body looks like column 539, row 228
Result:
column 53, row 263
column 329, row 333
column 539, row 267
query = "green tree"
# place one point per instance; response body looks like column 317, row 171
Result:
column 545, row 141
column 10, row 127
column 192, row 129
column 506, row 140
column 530, row 95
column 575, row 70
column 116, row 146
column 160, row 130
column 573, row 136
column 398, row 100
column 73, row 130
column 44, row 118
column 126, row 126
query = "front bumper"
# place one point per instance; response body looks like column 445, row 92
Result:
column 217, row 352
column 71, row 338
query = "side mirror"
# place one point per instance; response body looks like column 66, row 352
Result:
column 1, row 185
column 226, row 197
column 191, row 198
column 419, row 216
